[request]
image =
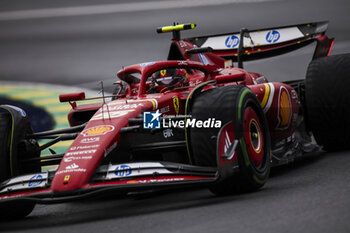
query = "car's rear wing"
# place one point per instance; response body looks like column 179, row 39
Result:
column 267, row 42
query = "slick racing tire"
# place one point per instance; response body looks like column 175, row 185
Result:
column 236, row 105
column 327, row 101
column 9, row 210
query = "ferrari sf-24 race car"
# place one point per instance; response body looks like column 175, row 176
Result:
column 193, row 120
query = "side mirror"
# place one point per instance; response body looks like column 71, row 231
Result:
column 72, row 97
column 228, row 78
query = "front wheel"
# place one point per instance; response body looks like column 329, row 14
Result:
column 244, row 121
column 10, row 210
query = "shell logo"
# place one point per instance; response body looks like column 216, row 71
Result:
column 285, row 108
column 98, row 130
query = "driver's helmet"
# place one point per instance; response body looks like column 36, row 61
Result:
column 170, row 77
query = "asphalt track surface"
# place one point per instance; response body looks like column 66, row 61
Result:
column 311, row 195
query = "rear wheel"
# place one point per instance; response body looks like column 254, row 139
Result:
column 10, row 210
column 236, row 106
column 327, row 101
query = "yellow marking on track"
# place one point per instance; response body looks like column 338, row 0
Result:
column 61, row 119
column 7, row 88
column 60, row 144
column 43, row 102
column 64, row 143
column 30, row 94
column 63, row 108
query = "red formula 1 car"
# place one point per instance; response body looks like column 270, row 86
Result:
column 191, row 120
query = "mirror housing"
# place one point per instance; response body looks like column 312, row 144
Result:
column 228, row 78
column 72, row 97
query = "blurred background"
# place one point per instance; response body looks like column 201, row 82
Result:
column 72, row 45
column 82, row 42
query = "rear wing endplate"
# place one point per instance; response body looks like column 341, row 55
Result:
column 268, row 42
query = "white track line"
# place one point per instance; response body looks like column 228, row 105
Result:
column 115, row 8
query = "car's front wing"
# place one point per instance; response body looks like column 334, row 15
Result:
column 120, row 178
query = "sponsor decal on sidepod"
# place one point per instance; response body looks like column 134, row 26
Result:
column 97, row 130
column 90, row 140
